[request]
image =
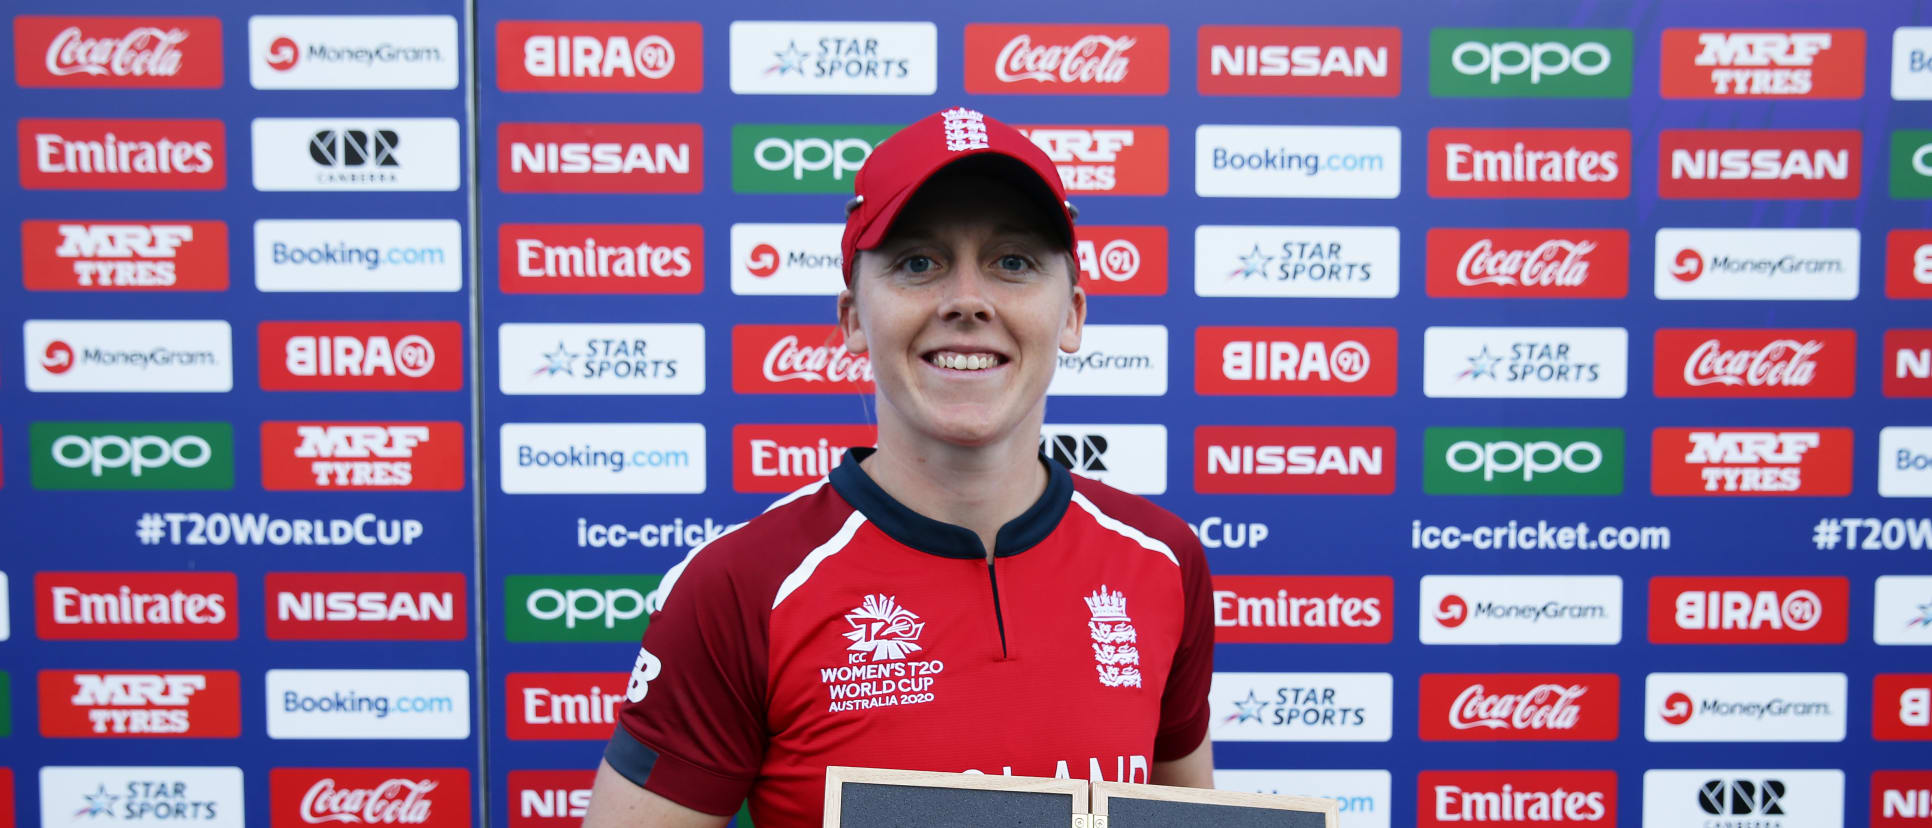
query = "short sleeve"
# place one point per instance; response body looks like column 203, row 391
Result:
column 1184, row 701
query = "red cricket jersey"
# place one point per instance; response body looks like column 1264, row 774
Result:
column 842, row 628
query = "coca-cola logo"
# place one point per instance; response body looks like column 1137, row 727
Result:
column 1780, row 363
column 393, row 802
column 1091, row 59
column 1553, row 263
column 789, row 360
column 144, row 51
column 1542, row 707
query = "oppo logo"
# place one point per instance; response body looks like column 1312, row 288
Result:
column 1539, row 60
column 1526, row 460
column 144, row 451
column 355, row 148
column 803, row 155
column 593, row 606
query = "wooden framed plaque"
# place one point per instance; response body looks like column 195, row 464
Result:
column 876, row 797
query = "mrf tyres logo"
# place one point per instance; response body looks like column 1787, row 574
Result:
column 1723, row 64
column 1529, row 63
column 133, row 704
column 1748, row 610
column 598, row 56
column 340, row 456
column 132, row 456
column 117, row 52
column 801, row 158
column 1541, row 461
column 124, row 256
column 576, row 607
column 1718, row 462
column 1105, row 160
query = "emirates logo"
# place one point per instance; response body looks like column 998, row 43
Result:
column 884, row 629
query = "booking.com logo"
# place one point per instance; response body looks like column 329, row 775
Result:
column 588, row 457
column 345, row 254
column 357, row 703
column 1279, row 159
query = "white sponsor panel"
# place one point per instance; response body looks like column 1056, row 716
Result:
column 1114, row 361
column 1297, row 162
column 1362, row 794
column 600, row 358
column 126, row 355
column 795, row 57
column 1301, row 707
column 602, row 458
column 5, row 629
column 368, row 704
column 1131, row 458
column 351, row 52
column 1744, row 798
column 1297, row 261
column 1744, row 707
column 1521, row 609
column 786, row 259
column 1912, row 63
column 369, row 255
column 1902, row 610
column 206, row 797
column 1905, row 461
column 352, row 154
column 1768, row 263
column 1541, row 363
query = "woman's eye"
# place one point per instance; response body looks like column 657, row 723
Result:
column 1013, row 263
column 919, row 264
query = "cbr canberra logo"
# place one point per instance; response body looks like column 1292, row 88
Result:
column 356, row 154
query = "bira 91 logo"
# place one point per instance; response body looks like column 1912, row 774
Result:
column 1300, row 61
column 1697, row 362
column 1747, row 462
column 1901, row 799
column 1105, row 160
column 1304, row 609
column 796, row 359
column 1763, row 63
column 1907, row 363
column 121, row 154
column 361, row 356
column 134, row 606
column 1908, row 264
column 1066, row 59
column 1356, row 362
column 563, row 705
column 598, row 56
column 430, row 797
column 300, row 456
column 781, row 458
column 1122, row 260
column 1529, row 264
column 1515, row 799
column 1529, row 63
column 1529, row 163
column 1518, row 707
column 1294, row 460
column 365, row 606
column 600, row 258
column 600, row 158
column 549, row 799
column 1902, row 707
column 1748, row 610
column 97, row 704
column 81, row 255
column 117, row 52
column 1758, row 163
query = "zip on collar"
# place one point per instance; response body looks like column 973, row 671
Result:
column 949, row 540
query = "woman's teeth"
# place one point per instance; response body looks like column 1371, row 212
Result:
column 964, row 362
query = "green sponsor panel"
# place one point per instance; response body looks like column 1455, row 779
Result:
column 801, row 158
column 576, row 607
column 1912, row 163
column 1530, row 63
column 1523, row 461
column 132, row 456
column 6, row 706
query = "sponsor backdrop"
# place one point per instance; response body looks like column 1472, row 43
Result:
column 1593, row 345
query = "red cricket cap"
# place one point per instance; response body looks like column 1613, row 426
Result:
column 902, row 163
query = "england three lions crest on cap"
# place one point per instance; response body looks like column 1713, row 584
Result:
column 965, row 129
column 1115, row 657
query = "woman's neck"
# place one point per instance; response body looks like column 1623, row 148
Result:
column 978, row 487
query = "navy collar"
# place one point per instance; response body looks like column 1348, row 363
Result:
column 946, row 539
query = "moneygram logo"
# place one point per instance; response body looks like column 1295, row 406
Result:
column 1758, row 163
column 599, row 56
column 801, row 158
column 1295, row 361
column 787, row 259
column 563, row 705
column 361, row 356
column 1505, row 461
column 795, row 57
column 576, row 607
column 1748, row 610
column 1741, row 462
column 360, row 255
column 366, row 606
column 356, row 154
column 352, row 52
column 431, row 797
column 1904, row 462
column 599, row 158
column 368, row 704
column 1114, row 360
column 1521, row 609
column 374, row 456
column 1908, row 264
column 1694, row 362
column 124, row 256
column 1296, row 262
column 117, row 52
column 600, row 258
column 1066, row 59
column 122, row 154
column 125, row 456
column 1105, row 160
column 1586, row 363
column 80, row 704
column 1294, row 460
column 1452, row 799
column 1529, row 63
column 1518, row 707
column 1912, row 63
column 173, row 356
column 1902, row 707
column 1131, row 458
column 782, row 458
column 1239, row 161
column 1122, row 260
column 1529, row 264
column 1304, row 609
column 549, row 799
column 1901, row 799
column 600, row 359
column 796, row 359
column 1301, row 707
column 1529, row 163
column 601, row 458
column 208, row 797
column 1782, row 263
column 1300, row 61
column 1744, row 707
column 1763, row 63
column 134, row 606
column 1912, row 163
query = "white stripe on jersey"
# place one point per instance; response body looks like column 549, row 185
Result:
column 1124, row 530
column 825, row 550
column 655, row 601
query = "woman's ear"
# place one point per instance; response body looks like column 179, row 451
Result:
column 849, row 322
column 1076, row 321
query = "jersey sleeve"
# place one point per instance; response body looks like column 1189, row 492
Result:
column 1184, row 701
column 692, row 728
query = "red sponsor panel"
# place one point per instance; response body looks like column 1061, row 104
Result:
column 1356, row 362
column 1763, row 63
column 796, row 359
column 1122, row 260
column 1300, row 61
column 563, row 705
column 313, row 456
column 600, row 158
column 1515, row 798
column 1755, row 362
column 1514, row 707
column 361, row 356
column 95, row 255
column 1901, row 799
column 1529, row 163
column 122, row 154
column 1528, row 264
column 6, row 798
column 1907, row 362
column 1105, row 160
column 1294, row 459
column 136, row 704
column 1758, row 163
column 117, row 52
column 781, row 458
column 134, row 606
column 1066, row 59
column 365, row 606
column 1751, row 461
column 1908, row 264
column 600, row 258
column 599, row 56
column 1902, row 707
column 1759, row 609
column 1304, row 609
column 549, row 799
column 429, row 797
